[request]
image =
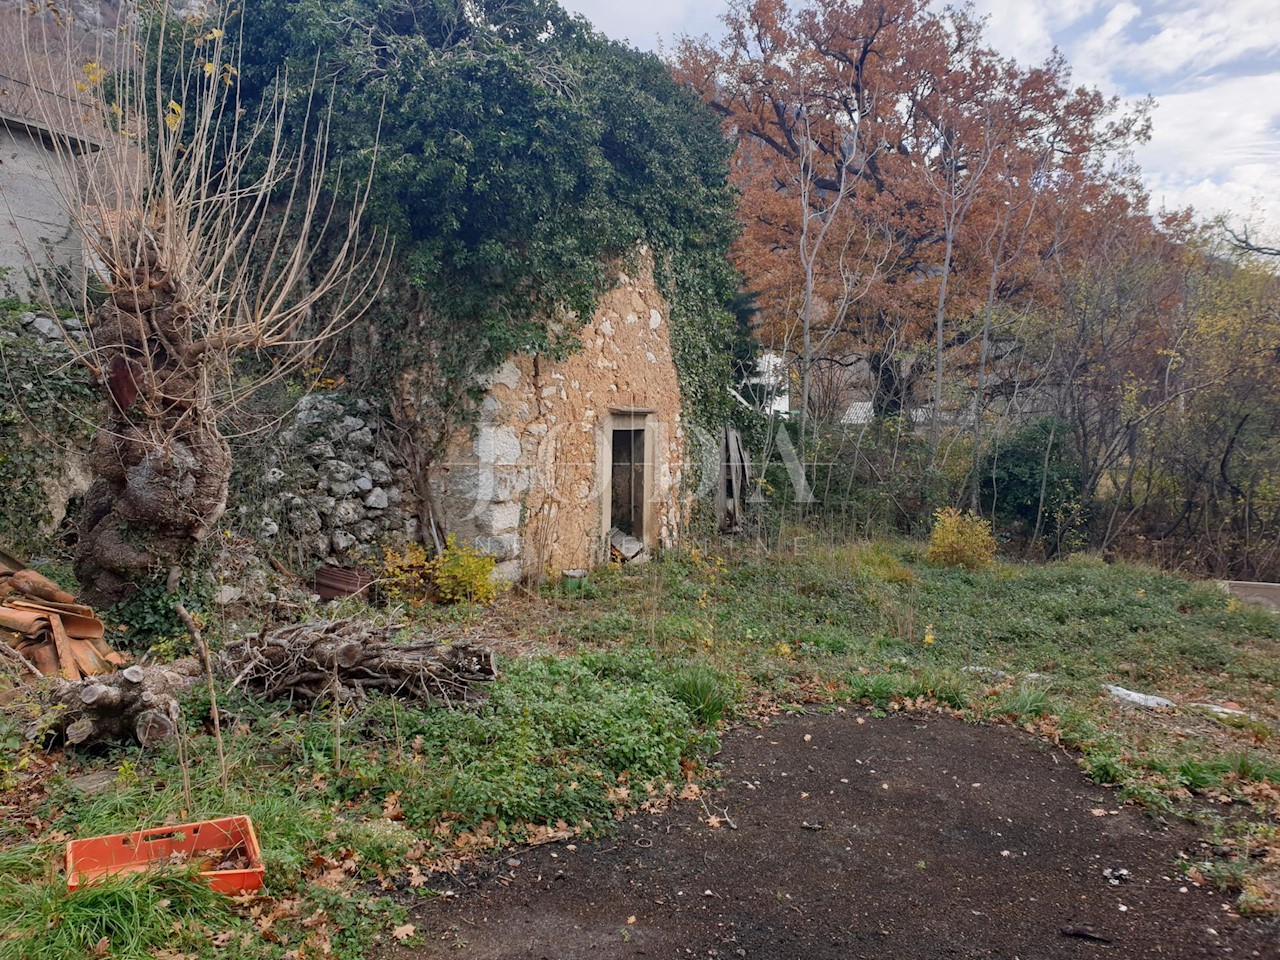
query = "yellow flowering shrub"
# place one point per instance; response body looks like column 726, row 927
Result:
column 406, row 574
column 463, row 574
column 961, row 540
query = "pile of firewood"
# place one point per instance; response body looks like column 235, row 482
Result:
column 51, row 634
column 344, row 659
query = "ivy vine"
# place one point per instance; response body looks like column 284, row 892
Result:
column 47, row 407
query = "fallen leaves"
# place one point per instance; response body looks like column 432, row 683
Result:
column 403, row 932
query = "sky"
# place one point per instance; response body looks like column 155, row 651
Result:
column 1212, row 65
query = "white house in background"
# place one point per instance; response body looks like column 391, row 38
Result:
column 772, row 384
column 37, row 231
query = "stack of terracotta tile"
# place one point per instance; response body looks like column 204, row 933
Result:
column 58, row 636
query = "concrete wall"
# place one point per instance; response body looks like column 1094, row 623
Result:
column 531, row 483
column 34, row 222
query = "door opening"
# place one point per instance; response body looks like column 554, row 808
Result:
column 626, row 508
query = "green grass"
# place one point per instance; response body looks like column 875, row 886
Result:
column 126, row 918
column 650, row 662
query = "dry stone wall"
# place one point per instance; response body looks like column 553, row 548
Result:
column 330, row 489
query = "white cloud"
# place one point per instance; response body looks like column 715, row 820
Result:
column 651, row 24
column 1203, row 37
column 1218, row 147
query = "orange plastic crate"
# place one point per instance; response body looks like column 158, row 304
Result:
column 151, row 849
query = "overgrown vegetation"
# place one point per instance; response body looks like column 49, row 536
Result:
column 525, row 160
column 356, row 805
column 47, row 405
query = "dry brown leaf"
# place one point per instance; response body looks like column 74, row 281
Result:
column 691, row 791
column 102, row 947
column 631, row 920
column 391, row 808
column 404, row 932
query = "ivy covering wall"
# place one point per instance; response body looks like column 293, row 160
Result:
column 520, row 157
column 47, row 409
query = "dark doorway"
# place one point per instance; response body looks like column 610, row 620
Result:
column 626, row 510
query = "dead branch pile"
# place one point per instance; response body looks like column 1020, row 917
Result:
column 344, row 659
column 135, row 702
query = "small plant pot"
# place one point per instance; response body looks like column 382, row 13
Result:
column 207, row 844
column 573, row 583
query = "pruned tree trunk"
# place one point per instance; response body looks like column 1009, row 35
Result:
column 344, row 659
column 160, row 464
column 137, row 703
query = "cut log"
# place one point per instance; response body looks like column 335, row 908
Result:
column 133, row 704
column 345, row 659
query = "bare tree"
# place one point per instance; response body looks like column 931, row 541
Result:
column 209, row 236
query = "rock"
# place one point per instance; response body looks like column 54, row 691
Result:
column 344, row 489
column 306, row 520
column 274, row 475
column 364, row 483
column 361, row 439
column 27, row 318
column 345, row 427
column 991, row 672
column 347, row 512
column 337, row 471
column 320, row 450
column 47, row 327
column 1219, row 710
column 325, row 505
column 343, row 541
column 379, row 472
column 1145, row 700
column 227, row 594
column 268, row 527
column 377, row 499
column 92, row 784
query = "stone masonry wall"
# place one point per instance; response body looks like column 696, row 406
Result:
column 329, row 489
column 527, row 483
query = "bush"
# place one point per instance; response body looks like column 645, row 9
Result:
column 406, row 574
column 462, row 574
column 1018, row 466
column 961, row 540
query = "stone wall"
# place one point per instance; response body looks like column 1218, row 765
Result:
column 529, row 483
column 329, row 489
column 48, row 405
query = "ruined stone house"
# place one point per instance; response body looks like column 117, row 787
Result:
column 567, row 453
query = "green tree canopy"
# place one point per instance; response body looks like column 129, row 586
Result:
column 520, row 153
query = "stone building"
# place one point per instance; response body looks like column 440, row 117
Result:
column 36, row 229
column 570, row 454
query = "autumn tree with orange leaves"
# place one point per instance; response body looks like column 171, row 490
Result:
column 921, row 153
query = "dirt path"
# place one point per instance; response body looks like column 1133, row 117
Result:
column 933, row 839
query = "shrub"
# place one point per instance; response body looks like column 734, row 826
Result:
column 961, row 540
column 406, row 574
column 1018, row 468
column 463, row 574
